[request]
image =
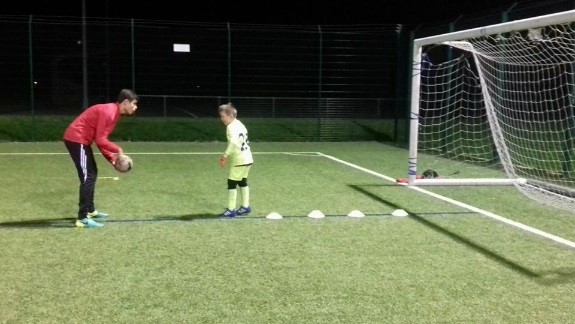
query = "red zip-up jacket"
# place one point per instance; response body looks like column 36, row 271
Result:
column 94, row 125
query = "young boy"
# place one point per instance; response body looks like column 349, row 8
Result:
column 240, row 158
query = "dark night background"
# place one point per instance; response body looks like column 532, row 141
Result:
column 46, row 48
column 270, row 12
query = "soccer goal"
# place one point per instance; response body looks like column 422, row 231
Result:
column 502, row 98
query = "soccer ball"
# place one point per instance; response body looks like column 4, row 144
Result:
column 123, row 163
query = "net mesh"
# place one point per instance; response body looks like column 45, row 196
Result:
column 505, row 101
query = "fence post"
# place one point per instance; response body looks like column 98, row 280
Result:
column 31, row 62
column 320, row 81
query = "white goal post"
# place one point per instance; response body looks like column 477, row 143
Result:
column 501, row 98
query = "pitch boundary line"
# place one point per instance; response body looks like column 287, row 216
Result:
column 164, row 153
column 461, row 204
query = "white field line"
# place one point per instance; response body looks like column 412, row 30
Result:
column 461, row 204
column 379, row 175
column 166, row 153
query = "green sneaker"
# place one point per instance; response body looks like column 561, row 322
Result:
column 87, row 223
column 97, row 214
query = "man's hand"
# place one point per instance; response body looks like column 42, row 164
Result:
column 223, row 161
column 117, row 155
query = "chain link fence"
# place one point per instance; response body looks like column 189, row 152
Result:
column 323, row 75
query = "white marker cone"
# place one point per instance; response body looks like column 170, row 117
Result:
column 399, row 213
column 274, row 215
column 316, row 214
column 355, row 213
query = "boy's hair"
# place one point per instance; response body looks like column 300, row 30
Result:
column 228, row 109
column 127, row 94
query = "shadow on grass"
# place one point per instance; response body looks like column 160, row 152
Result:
column 69, row 222
column 40, row 223
column 547, row 278
column 559, row 276
column 189, row 217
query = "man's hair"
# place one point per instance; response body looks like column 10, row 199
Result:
column 127, row 94
column 228, row 109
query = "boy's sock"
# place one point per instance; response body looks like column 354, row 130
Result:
column 245, row 196
column 232, row 196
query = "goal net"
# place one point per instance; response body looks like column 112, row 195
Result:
column 499, row 103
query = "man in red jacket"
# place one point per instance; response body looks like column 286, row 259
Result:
column 94, row 125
